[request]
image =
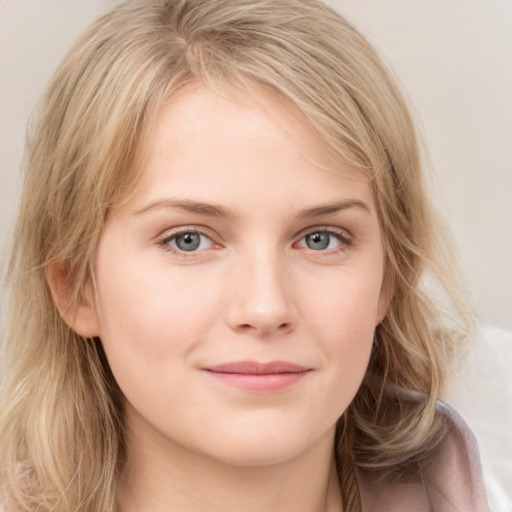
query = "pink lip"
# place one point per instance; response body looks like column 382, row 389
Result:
column 253, row 376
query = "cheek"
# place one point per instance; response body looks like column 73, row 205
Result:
column 151, row 317
column 347, row 305
column 343, row 320
column 152, row 324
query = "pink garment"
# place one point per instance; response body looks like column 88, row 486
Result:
column 452, row 482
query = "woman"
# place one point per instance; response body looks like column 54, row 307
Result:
column 217, row 277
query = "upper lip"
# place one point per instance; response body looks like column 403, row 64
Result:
column 256, row 368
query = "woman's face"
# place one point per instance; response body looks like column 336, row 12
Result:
column 238, row 291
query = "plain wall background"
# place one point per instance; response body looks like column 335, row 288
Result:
column 452, row 57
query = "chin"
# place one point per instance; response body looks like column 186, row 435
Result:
column 258, row 447
column 259, row 453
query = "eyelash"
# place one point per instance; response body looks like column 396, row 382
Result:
column 344, row 239
column 164, row 242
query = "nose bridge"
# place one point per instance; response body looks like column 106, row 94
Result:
column 263, row 299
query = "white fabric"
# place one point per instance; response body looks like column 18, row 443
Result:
column 450, row 482
column 480, row 389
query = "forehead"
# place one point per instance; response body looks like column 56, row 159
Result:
column 212, row 146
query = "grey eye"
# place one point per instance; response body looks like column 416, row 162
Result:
column 188, row 241
column 318, row 240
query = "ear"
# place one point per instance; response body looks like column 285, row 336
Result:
column 386, row 296
column 80, row 315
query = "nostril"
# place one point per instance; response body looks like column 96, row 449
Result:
column 265, row 329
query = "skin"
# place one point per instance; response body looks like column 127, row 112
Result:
column 253, row 290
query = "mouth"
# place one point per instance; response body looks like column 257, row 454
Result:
column 262, row 377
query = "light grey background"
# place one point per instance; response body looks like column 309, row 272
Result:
column 453, row 58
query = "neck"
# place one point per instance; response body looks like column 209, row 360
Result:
column 169, row 477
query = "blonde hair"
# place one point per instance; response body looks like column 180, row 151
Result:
column 61, row 414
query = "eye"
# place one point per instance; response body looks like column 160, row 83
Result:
column 187, row 241
column 324, row 240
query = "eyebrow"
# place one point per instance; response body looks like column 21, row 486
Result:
column 198, row 207
column 332, row 208
column 215, row 210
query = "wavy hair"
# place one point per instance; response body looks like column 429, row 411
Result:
column 61, row 414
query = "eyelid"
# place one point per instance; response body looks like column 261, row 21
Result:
column 170, row 234
column 346, row 238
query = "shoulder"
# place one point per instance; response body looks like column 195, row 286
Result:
column 455, row 475
column 451, row 482
column 479, row 388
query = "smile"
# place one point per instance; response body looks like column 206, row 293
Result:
column 263, row 377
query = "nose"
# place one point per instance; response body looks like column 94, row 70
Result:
column 262, row 300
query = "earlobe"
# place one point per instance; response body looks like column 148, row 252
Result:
column 79, row 314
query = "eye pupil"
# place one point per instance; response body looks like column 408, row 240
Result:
column 188, row 241
column 318, row 241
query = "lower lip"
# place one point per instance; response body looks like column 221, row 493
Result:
column 267, row 382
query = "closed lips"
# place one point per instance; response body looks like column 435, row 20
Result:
column 250, row 376
column 254, row 368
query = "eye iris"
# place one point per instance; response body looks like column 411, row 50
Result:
column 188, row 241
column 318, row 241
